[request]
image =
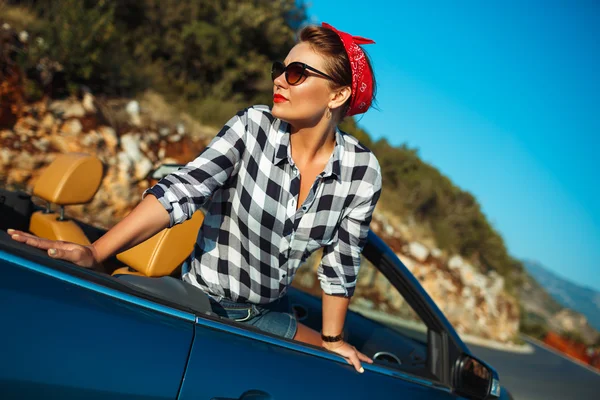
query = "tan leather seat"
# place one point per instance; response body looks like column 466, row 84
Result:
column 72, row 178
column 164, row 252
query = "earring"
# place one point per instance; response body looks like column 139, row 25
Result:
column 328, row 113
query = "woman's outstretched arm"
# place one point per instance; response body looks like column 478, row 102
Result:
column 147, row 219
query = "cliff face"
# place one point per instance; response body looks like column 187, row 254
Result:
column 46, row 128
column 475, row 303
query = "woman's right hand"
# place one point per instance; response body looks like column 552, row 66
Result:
column 84, row 256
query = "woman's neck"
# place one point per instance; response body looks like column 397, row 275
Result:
column 312, row 144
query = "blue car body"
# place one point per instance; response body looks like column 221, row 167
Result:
column 72, row 333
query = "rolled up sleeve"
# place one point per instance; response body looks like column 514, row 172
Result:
column 340, row 264
column 186, row 190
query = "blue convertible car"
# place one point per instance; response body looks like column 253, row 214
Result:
column 73, row 333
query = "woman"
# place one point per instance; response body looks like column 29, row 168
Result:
column 277, row 184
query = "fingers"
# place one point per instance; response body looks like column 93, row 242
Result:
column 15, row 234
column 30, row 240
column 56, row 248
column 364, row 358
column 355, row 361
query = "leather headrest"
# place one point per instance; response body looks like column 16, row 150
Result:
column 72, row 178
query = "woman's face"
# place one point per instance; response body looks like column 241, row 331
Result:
column 303, row 104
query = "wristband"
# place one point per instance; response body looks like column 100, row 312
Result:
column 331, row 339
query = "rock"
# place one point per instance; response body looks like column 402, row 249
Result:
column 152, row 137
column 75, row 110
column 389, row 229
column 131, row 147
column 47, row 122
column 133, row 109
column 88, row 103
column 436, row 253
column 23, row 36
column 164, row 132
column 72, row 127
column 67, row 109
column 174, row 138
column 467, row 276
column 110, row 137
column 446, row 283
column 59, row 143
column 22, row 130
column 5, row 156
column 180, row 129
column 496, row 285
column 42, row 144
column 480, row 281
column 91, row 139
column 5, row 134
column 455, row 262
column 24, row 161
column 142, row 169
column 418, row 251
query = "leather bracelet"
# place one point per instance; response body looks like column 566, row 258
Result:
column 331, row 339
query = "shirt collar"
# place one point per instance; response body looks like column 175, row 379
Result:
column 282, row 151
column 282, row 144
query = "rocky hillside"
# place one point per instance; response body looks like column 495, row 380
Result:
column 475, row 303
column 49, row 127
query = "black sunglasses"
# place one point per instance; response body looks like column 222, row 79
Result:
column 294, row 72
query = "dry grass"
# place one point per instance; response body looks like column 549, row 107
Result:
column 157, row 106
column 155, row 112
column 19, row 17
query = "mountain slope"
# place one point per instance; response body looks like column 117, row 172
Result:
column 568, row 294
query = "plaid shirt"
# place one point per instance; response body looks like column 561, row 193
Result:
column 254, row 238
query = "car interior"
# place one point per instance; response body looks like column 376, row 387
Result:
column 152, row 268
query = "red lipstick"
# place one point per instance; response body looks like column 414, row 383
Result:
column 277, row 98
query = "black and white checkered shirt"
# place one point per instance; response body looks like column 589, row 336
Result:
column 254, row 237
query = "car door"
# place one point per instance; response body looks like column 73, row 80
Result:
column 232, row 361
column 71, row 333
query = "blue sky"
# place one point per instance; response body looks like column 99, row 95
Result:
column 502, row 97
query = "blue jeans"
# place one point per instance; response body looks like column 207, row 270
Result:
column 274, row 317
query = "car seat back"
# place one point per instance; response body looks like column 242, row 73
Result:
column 164, row 252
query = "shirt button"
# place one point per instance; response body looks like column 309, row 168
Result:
column 293, row 202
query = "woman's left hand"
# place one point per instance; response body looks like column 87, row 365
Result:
column 349, row 352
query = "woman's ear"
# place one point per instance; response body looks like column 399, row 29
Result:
column 339, row 97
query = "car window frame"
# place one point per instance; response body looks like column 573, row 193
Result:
column 444, row 345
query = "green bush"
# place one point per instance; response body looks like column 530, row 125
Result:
column 197, row 49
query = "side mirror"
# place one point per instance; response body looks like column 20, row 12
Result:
column 475, row 380
column 164, row 170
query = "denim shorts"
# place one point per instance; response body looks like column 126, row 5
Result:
column 274, row 317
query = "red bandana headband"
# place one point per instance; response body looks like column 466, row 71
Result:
column 362, row 77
